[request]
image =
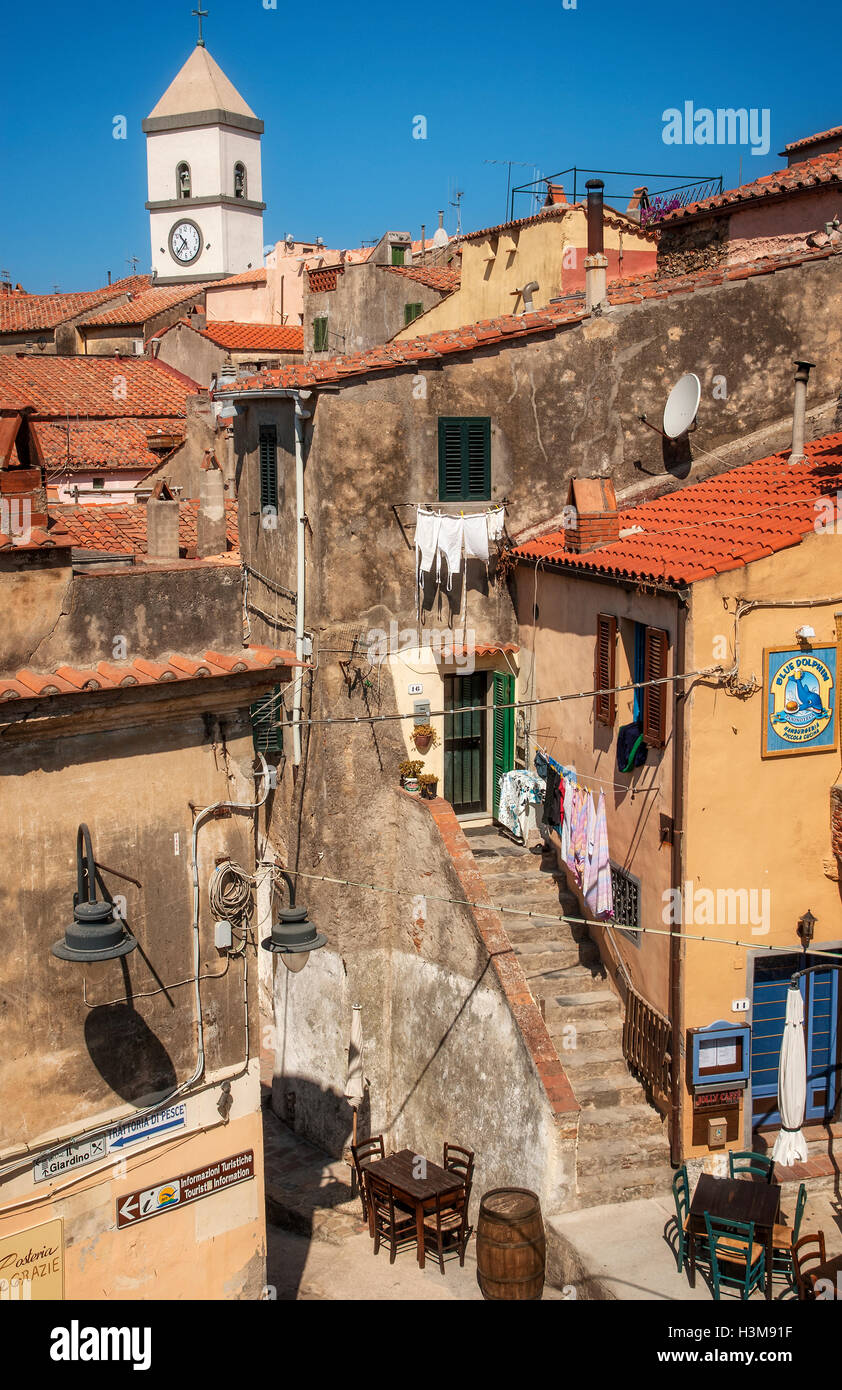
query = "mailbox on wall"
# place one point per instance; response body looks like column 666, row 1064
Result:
column 718, row 1060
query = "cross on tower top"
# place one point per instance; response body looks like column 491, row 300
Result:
column 200, row 15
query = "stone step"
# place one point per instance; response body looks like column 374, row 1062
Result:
column 594, row 1027
column 538, row 957
column 567, row 985
column 623, row 1093
column 643, row 1154
column 604, row 1188
column 632, row 1121
column 587, row 1063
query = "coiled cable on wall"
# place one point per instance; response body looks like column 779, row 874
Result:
column 230, row 894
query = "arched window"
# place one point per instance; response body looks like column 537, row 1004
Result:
column 183, row 181
column 239, row 180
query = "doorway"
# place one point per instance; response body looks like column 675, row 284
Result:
column 820, row 993
column 464, row 742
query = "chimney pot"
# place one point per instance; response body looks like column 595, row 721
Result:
column 799, row 410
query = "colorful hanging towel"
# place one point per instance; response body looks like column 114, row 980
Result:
column 580, row 837
column 600, row 899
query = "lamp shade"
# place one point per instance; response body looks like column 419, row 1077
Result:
column 96, row 932
column 293, row 933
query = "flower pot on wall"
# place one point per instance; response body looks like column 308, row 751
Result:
column 422, row 742
column 430, row 790
column 410, row 784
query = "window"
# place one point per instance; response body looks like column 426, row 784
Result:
column 320, row 335
column 398, row 255
column 464, row 458
column 266, row 728
column 97, row 483
column 605, row 705
column 412, row 311
column 626, row 890
column 183, row 181
column 655, row 647
column 239, row 180
column 268, row 450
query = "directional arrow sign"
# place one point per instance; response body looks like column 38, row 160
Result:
column 188, row 1187
column 127, row 1211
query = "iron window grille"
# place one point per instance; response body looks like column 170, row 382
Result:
column 626, row 892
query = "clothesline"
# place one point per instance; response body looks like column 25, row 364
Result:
column 620, row 786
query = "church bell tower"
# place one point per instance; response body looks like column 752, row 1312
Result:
column 204, row 178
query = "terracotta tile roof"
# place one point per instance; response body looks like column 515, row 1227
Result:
column 708, row 528
column 444, row 278
column 51, row 537
column 56, row 387
column 813, row 139
column 257, row 337
column 102, row 444
column 245, row 277
column 120, row 530
column 20, row 313
column 509, row 328
column 107, row 675
column 481, row 649
column 323, row 278
column 145, row 306
column 809, row 174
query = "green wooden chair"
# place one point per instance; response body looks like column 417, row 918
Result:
column 681, row 1197
column 735, row 1257
column 784, row 1238
column 759, row 1167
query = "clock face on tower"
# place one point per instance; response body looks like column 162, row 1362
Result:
column 185, row 241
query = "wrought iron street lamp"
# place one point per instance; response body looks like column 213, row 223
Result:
column 96, row 932
column 293, row 935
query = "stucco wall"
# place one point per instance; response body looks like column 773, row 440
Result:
column 366, row 308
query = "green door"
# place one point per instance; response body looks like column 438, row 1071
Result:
column 504, row 732
column 464, row 742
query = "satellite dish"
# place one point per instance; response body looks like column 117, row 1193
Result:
column 682, row 405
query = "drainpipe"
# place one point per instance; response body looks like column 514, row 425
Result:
column 527, row 292
column 300, row 416
column 596, row 262
column 799, row 411
column 678, row 866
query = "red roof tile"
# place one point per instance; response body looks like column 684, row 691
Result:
column 66, row 680
column 121, row 530
column 798, row 178
column 610, row 216
column 106, row 387
column 255, row 337
column 105, row 445
column 323, row 278
column 708, row 528
column 138, row 310
column 245, row 277
column 554, row 316
column 813, row 139
column 445, row 278
column 22, row 313
column 50, row 537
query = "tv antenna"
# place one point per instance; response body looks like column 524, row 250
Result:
column 456, row 202
column 133, row 262
column 510, row 164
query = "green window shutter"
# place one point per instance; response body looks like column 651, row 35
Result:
column 398, row 254
column 319, row 335
column 268, row 451
column 464, row 459
column 503, row 752
column 266, row 728
column 411, row 312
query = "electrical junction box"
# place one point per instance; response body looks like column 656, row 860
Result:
column 717, row 1133
column 421, row 711
column 223, row 936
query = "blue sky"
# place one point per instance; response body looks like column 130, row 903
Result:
column 338, row 88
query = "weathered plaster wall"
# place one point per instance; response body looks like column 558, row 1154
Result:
column 32, row 595
column 745, row 233
column 366, row 308
column 756, row 824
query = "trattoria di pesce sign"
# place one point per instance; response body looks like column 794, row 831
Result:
column 800, row 701
column 32, row 1263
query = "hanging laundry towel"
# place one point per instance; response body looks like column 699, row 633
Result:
column 426, row 541
column 567, row 810
column 520, row 793
column 451, row 532
column 589, row 867
column 554, row 799
column 476, row 537
column 600, row 897
column 496, row 520
column 580, row 836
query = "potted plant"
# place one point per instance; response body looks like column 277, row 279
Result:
column 409, row 770
column 429, row 782
column 425, row 737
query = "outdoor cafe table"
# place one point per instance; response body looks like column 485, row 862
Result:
column 418, row 1193
column 735, row 1199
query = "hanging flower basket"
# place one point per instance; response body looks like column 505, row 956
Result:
column 425, row 737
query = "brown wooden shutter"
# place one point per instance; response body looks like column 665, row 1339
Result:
column 605, row 705
column 656, row 642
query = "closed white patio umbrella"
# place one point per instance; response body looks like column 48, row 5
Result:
column 790, row 1146
column 354, row 1081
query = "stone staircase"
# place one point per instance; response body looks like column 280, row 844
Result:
column 623, row 1149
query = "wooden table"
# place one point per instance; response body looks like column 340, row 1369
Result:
column 418, row 1193
column 832, row 1270
column 735, row 1199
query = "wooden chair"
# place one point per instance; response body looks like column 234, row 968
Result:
column 681, row 1197
column 362, row 1155
column 390, row 1225
column 448, row 1224
column 758, row 1167
column 807, row 1252
column 784, row 1237
column 733, row 1247
column 461, row 1161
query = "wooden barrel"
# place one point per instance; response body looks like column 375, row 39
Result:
column 511, row 1246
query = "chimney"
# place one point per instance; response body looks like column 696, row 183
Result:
column 211, row 537
column 597, row 521
column 596, row 263
column 555, row 194
column 162, row 523
column 799, row 411
column 638, row 200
